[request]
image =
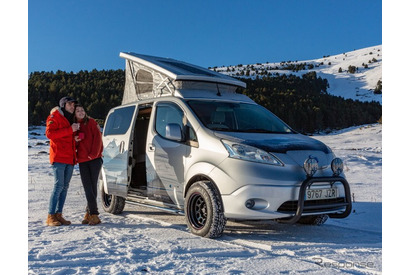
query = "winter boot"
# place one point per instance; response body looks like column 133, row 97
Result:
column 86, row 219
column 94, row 219
column 59, row 217
column 52, row 220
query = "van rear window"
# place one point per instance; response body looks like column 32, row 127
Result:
column 119, row 121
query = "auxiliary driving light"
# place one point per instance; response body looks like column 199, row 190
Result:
column 311, row 165
column 337, row 166
column 256, row 204
column 250, row 203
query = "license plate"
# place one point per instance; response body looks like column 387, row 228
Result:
column 321, row 194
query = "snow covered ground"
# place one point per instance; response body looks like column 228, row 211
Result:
column 142, row 240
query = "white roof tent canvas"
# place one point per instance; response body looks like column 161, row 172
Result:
column 150, row 76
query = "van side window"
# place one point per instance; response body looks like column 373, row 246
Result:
column 119, row 121
column 171, row 113
column 167, row 113
column 192, row 136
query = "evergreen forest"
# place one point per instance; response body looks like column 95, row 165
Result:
column 302, row 102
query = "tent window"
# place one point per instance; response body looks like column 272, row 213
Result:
column 144, row 82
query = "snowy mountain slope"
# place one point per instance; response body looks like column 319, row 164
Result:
column 142, row 240
column 359, row 85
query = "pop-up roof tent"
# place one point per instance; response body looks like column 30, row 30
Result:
column 150, row 76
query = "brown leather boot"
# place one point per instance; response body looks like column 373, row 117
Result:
column 86, row 219
column 59, row 217
column 52, row 220
column 94, row 219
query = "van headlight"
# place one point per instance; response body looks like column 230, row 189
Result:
column 249, row 153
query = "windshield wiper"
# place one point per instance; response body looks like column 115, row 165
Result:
column 221, row 129
column 258, row 130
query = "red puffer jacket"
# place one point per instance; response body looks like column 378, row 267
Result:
column 60, row 133
column 91, row 146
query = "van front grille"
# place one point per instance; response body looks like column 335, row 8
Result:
column 312, row 206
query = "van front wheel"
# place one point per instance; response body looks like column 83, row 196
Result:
column 203, row 210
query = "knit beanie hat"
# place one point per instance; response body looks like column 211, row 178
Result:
column 66, row 99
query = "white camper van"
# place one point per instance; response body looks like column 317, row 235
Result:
column 184, row 141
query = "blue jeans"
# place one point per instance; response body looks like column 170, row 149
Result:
column 62, row 177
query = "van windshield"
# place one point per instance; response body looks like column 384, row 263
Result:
column 237, row 117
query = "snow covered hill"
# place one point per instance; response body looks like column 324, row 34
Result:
column 358, row 84
column 142, row 240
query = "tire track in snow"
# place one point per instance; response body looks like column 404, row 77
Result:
column 278, row 240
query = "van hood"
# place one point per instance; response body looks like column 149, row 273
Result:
column 296, row 146
column 277, row 143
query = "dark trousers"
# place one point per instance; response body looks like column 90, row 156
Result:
column 89, row 172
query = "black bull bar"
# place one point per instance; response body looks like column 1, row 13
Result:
column 301, row 201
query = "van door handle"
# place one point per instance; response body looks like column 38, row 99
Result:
column 122, row 145
column 151, row 147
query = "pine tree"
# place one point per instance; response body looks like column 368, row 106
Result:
column 378, row 89
column 351, row 69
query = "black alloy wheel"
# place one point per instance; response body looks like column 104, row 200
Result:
column 197, row 210
column 204, row 211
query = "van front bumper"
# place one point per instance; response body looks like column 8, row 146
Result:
column 282, row 201
column 347, row 203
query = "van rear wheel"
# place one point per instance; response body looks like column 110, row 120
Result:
column 203, row 210
column 111, row 203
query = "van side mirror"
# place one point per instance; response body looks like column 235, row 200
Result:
column 173, row 132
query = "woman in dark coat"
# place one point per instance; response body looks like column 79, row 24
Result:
column 89, row 156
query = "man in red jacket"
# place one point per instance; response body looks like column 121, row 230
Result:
column 60, row 130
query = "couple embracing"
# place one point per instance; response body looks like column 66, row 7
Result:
column 74, row 138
